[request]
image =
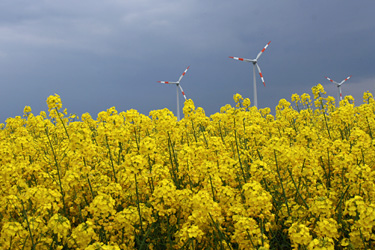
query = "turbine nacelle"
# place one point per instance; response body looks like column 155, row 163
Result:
column 244, row 59
column 254, row 61
column 255, row 66
column 178, row 87
column 338, row 84
column 178, row 82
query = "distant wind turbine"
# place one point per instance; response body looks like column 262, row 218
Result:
column 255, row 65
column 178, row 86
column 339, row 85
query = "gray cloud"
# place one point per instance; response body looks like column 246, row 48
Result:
column 98, row 54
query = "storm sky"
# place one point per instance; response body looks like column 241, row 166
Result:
column 98, row 54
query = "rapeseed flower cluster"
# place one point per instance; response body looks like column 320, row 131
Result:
column 239, row 179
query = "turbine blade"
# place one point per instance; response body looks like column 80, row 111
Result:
column 183, row 74
column 329, row 79
column 236, row 58
column 345, row 79
column 182, row 91
column 261, row 76
column 242, row 59
column 167, row 82
column 261, row 52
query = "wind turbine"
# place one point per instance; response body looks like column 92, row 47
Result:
column 178, row 86
column 339, row 84
column 255, row 65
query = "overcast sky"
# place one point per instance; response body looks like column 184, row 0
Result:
column 97, row 54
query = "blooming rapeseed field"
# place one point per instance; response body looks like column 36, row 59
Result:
column 239, row 179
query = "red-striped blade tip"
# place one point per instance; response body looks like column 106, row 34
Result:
column 265, row 47
column 261, row 77
column 237, row 58
column 329, row 79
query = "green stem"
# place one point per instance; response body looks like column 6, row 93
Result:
column 221, row 134
column 295, row 185
column 173, row 169
column 28, row 225
column 281, row 182
column 325, row 118
column 195, row 136
column 138, row 206
column 136, row 137
column 110, row 158
column 88, row 180
column 58, row 170
column 329, row 171
column 369, row 128
column 222, row 236
column 212, row 189
column 239, row 156
column 62, row 122
column 252, row 243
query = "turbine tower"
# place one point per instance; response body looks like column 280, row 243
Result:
column 255, row 65
column 339, row 85
column 178, row 86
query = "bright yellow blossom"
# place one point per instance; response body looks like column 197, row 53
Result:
column 296, row 176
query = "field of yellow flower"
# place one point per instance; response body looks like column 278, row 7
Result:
column 239, row 179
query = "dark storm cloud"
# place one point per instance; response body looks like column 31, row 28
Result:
column 98, row 54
